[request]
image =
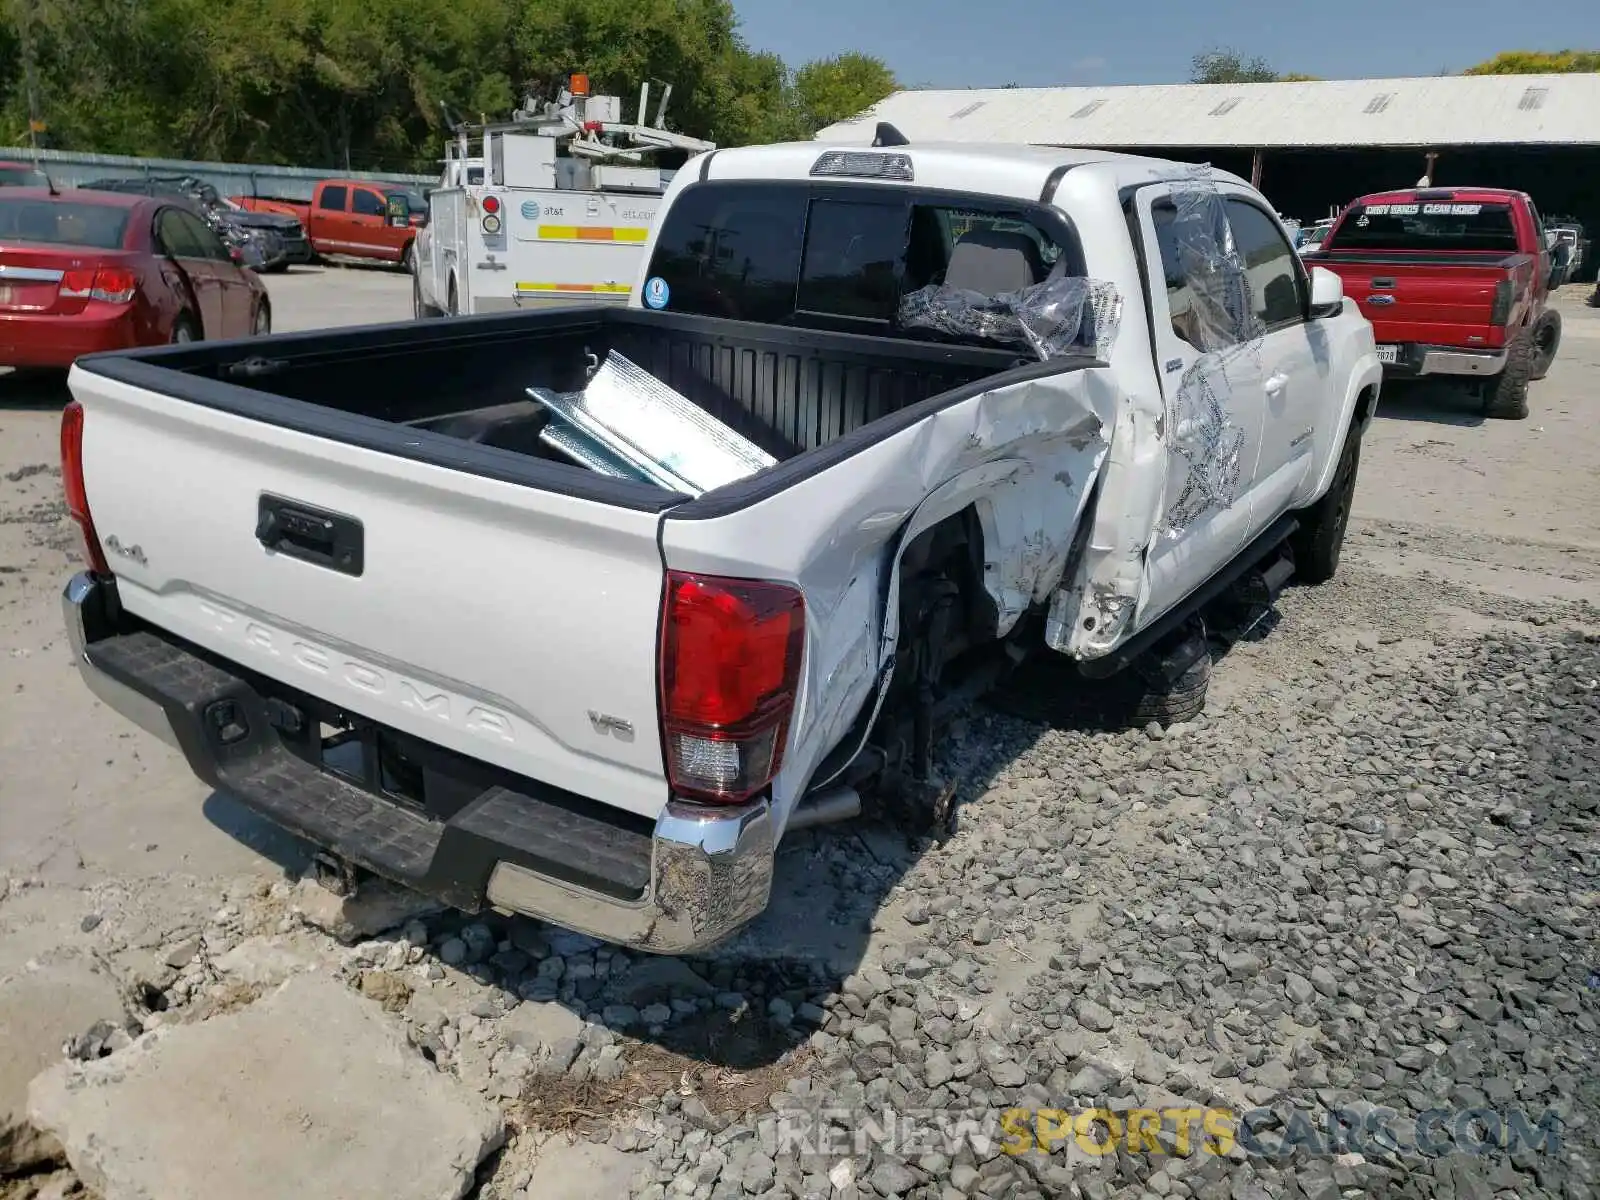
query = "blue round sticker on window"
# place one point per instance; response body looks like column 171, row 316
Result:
column 530, row 209
column 656, row 292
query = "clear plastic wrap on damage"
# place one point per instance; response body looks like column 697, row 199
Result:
column 1059, row 317
column 1221, row 323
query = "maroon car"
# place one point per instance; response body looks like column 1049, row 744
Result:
column 84, row 271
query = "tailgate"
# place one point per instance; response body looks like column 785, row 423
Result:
column 1435, row 304
column 487, row 617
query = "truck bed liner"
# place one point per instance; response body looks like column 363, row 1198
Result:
column 391, row 387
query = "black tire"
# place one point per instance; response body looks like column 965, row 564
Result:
column 1320, row 539
column 1505, row 397
column 420, row 309
column 453, row 308
column 1167, row 684
column 261, row 324
column 408, row 258
column 1546, row 341
column 1171, row 702
column 185, row 329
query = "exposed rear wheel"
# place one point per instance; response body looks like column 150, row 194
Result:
column 1505, row 397
column 185, row 330
column 1546, row 341
column 454, row 307
column 408, row 258
column 262, row 325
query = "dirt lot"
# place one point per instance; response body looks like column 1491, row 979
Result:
column 1369, row 874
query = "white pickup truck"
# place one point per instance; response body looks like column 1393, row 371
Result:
column 1024, row 405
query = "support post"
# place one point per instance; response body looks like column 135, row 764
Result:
column 25, row 13
column 1256, row 161
column 1427, row 175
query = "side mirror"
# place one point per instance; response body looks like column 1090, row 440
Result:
column 1327, row 293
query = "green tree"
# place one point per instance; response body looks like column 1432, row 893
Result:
column 362, row 84
column 835, row 89
column 1229, row 66
column 1538, row 62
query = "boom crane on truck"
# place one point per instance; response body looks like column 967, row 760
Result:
column 553, row 206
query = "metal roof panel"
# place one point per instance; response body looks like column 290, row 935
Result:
column 1447, row 110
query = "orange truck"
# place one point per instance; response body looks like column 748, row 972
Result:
column 355, row 218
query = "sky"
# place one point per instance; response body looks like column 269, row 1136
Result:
column 1038, row 43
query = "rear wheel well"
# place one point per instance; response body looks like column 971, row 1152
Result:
column 1364, row 403
column 952, row 551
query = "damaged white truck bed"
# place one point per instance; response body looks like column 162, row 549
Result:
column 1020, row 405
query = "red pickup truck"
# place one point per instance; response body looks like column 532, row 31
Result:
column 1455, row 282
column 354, row 217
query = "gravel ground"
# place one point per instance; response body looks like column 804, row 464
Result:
column 1364, row 883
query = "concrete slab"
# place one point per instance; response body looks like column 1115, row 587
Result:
column 310, row 1091
column 581, row 1171
column 268, row 961
column 534, row 1026
column 377, row 906
column 39, row 1011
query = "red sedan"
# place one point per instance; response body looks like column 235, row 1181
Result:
column 84, row 271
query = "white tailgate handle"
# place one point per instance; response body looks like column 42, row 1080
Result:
column 1275, row 383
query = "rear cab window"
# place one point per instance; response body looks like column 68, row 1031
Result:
column 63, row 223
column 847, row 257
column 1427, row 226
column 332, row 199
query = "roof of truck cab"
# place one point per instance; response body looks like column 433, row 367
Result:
column 1002, row 169
column 1465, row 195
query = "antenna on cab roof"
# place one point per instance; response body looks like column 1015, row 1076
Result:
column 888, row 135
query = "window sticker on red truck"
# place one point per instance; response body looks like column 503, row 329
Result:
column 1391, row 210
column 1452, row 210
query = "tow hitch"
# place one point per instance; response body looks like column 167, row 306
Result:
column 338, row 875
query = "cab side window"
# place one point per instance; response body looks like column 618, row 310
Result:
column 1277, row 291
column 206, row 243
column 175, row 236
column 332, row 199
column 1182, row 303
column 368, row 204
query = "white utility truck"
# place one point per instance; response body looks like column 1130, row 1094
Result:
column 551, row 207
column 577, row 612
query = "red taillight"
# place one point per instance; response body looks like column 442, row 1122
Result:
column 491, row 204
column 730, row 669
column 113, row 285
column 77, row 496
